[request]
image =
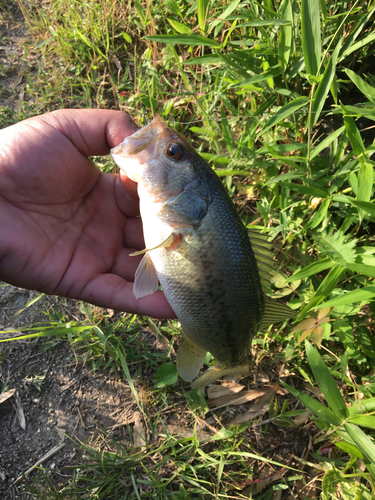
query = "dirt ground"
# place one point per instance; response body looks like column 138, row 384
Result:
column 54, row 392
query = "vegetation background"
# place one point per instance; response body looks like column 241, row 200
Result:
column 279, row 98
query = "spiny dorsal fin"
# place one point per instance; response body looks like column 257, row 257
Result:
column 275, row 312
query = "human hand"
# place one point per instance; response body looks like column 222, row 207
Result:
column 65, row 227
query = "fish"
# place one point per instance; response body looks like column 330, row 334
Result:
column 212, row 269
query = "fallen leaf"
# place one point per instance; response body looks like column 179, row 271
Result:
column 258, row 409
column 6, row 395
column 302, row 418
column 20, row 413
column 139, row 432
column 226, row 388
column 235, row 399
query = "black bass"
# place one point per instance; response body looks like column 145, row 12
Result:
column 212, row 270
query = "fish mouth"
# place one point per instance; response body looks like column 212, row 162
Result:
column 140, row 147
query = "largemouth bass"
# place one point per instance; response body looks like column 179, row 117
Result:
column 212, row 270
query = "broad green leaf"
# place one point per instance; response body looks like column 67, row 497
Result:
column 227, row 134
column 365, row 184
column 324, row 289
column 320, row 214
column 284, row 112
column 364, row 443
column 362, row 269
column 326, row 142
column 354, row 137
column 367, row 206
column 228, row 11
column 312, row 269
column 310, row 190
column 360, row 83
column 349, row 448
column 311, row 35
column 356, row 46
column 338, row 247
column 288, row 175
column 179, row 27
column 326, row 382
column 173, row 7
column 166, row 375
column 363, row 420
column 208, row 59
column 321, row 93
column 365, row 293
column 266, row 22
column 286, row 34
column 202, row 11
column 313, row 405
column 365, row 406
column 192, row 40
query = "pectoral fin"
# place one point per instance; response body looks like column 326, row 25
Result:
column 190, row 359
column 166, row 243
column 146, row 281
column 215, row 372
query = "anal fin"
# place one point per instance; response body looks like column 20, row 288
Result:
column 190, row 358
column 146, row 281
column 215, row 372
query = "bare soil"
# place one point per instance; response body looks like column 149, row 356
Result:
column 55, row 392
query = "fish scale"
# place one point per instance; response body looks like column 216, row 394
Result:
column 199, row 250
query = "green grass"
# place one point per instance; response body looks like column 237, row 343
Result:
column 277, row 96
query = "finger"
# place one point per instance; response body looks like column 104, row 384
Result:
column 133, row 237
column 92, row 131
column 109, row 290
column 127, row 196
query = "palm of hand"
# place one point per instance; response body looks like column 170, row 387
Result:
column 66, row 228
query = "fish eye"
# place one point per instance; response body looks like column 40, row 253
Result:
column 175, row 151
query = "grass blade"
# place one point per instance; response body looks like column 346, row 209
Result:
column 192, row 40
column 321, row 93
column 312, row 269
column 202, row 8
column 361, row 84
column 354, row 137
column 313, row 405
column 286, row 34
column 285, row 111
column 326, row 382
column 365, row 293
column 179, row 27
column 310, row 31
column 363, row 441
column 324, row 289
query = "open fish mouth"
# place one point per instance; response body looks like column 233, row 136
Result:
column 139, row 148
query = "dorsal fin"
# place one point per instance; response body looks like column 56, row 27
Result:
column 274, row 312
column 263, row 255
